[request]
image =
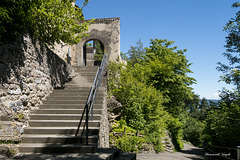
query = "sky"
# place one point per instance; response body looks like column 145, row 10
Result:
column 194, row 25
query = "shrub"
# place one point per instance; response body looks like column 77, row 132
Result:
column 175, row 128
column 129, row 143
column 192, row 129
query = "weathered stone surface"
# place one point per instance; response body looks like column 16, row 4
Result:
column 113, row 105
column 107, row 31
column 29, row 70
column 103, row 141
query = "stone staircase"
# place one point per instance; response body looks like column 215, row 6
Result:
column 167, row 143
column 53, row 126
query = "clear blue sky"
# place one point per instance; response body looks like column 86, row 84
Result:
column 193, row 25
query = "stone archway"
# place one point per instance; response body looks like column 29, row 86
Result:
column 93, row 51
column 107, row 31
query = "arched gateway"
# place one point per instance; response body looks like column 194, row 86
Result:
column 106, row 32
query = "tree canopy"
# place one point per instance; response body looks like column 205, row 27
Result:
column 169, row 69
column 48, row 20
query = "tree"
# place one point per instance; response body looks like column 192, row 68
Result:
column 192, row 104
column 135, row 53
column 14, row 19
column 232, row 71
column 222, row 125
column 166, row 70
column 51, row 21
column 192, row 129
column 204, row 107
column 223, row 120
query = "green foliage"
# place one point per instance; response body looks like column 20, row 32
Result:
column 175, row 128
column 199, row 111
column 14, row 19
column 126, row 142
column 129, row 143
column 89, row 44
column 167, row 70
column 192, row 129
column 153, row 138
column 9, row 142
column 231, row 72
column 153, row 84
column 223, row 120
column 121, row 125
column 135, row 53
column 192, row 104
column 222, row 124
column 141, row 103
column 10, row 152
column 20, row 116
column 50, row 21
column 99, row 51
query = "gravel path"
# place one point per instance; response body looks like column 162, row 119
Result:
column 188, row 153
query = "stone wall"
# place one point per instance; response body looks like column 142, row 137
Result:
column 29, row 71
column 103, row 141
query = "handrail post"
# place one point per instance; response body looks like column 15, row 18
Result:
column 87, row 125
column 238, row 152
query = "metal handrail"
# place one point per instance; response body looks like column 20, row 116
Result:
column 91, row 97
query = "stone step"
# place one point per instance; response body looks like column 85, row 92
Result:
column 68, row 85
column 89, row 80
column 55, row 101
column 86, row 76
column 58, row 97
column 75, row 98
column 72, row 92
column 75, row 87
column 56, row 148
column 62, row 123
column 86, row 73
column 101, row 154
column 59, row 130
column 75, row 84
column 69, row 94
column 62, row 117
column 85, row 68
column 64, row 111
column 67, row 106
column 82, row 79
column 58, row 139
column 90, row 74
